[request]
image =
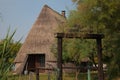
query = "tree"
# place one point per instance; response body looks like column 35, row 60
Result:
column 101, row 16
column 8, row 50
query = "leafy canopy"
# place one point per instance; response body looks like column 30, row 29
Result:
column 101, row 16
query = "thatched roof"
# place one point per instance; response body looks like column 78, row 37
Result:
column 40, row 37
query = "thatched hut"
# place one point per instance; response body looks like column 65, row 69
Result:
column 35, row 51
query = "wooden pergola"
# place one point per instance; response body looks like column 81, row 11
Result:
column 97, row 37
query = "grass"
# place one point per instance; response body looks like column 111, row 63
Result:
column 44, row 76
column 82, row 76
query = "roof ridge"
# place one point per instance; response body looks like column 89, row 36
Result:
column 52, row 10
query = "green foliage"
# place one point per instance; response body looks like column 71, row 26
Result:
column 95, row 16
column 101, row 16
column 76, row 49
column 8, row 50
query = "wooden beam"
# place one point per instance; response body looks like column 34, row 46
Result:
column 37, row 74
column 36, row 66
column 78, row 35
column 100, row 63
column 59, row 58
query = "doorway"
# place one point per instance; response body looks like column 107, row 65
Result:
column 36, row 61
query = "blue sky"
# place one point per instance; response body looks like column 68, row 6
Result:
column 21, row 14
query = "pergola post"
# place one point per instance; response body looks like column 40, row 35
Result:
column 59, row 58
column 100, row 63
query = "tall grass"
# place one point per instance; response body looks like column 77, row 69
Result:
column 6, row 55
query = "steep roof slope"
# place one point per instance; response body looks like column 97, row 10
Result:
column 40, row 37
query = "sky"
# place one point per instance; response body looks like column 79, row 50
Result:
column 20, row 15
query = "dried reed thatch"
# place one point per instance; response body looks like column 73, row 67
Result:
column 40, row 37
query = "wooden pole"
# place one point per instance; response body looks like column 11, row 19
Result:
column 59, row 58
column 36, row 66
column 37, row 74
column 100, row 63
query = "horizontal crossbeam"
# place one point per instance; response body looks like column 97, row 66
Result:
column 78, row 35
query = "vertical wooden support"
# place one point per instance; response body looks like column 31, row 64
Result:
column 37, row 74
column 59, row 58
column 36, row 66
column 100, row 63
